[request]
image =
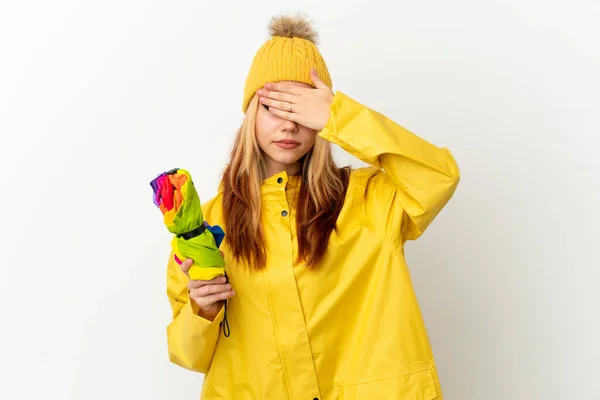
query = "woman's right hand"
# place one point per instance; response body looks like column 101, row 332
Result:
column 209, row 296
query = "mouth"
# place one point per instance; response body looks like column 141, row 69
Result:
column 287, row 144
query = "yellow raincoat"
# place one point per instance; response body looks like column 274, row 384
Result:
column 351, row 329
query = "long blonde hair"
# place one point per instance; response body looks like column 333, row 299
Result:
column 320, row 200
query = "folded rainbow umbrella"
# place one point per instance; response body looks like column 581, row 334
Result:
column 176, row 197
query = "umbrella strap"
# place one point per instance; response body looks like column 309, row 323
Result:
column 225, row 325
column 192, row 234
column 226, row 329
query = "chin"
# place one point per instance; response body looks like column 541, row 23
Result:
column 286, row 158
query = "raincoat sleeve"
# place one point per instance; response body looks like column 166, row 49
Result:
column 412, row 179
column 191, row 339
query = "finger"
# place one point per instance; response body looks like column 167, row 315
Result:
column 319, row 84
column 282, row 105
column 186, row 265
column 292, row 116
column 275, row 95
column 194, row 284
column 207, row 290
column 286, row 88
column 214, row 298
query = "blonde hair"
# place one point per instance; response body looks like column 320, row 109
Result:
column 320, row 200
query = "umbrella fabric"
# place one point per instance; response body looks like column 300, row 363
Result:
column 177, row 199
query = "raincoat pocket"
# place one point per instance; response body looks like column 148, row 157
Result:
column 417, row 384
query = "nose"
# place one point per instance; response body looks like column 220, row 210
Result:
column 289, row 126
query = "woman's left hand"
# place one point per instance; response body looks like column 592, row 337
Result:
column 306, row 106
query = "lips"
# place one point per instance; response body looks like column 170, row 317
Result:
column 287, row 141
column 287, row 144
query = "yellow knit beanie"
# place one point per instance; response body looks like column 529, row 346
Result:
column 288, row 55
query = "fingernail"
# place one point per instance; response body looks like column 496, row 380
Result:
column 268, row 85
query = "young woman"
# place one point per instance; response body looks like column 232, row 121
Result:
column 319, row 300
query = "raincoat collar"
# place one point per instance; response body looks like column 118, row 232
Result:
column 282, row 180
column 272, row 183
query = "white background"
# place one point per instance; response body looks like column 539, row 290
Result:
column 96, row 98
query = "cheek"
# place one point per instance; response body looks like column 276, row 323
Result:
column 265, row 127
column 308, row 136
